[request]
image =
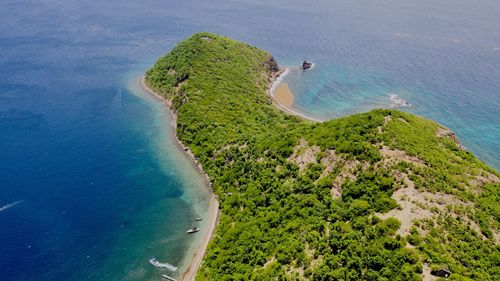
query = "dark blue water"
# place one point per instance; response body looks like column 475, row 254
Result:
column 91, row 185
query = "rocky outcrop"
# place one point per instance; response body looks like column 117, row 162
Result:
column 306, row 65
column 272, row 65
column 393, row 156
column 446, row 133
column 303, row 154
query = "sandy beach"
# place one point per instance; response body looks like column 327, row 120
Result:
column 283, row 97
column 212, row 215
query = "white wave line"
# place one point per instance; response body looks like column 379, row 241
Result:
column 277, row 81
column 8, row 206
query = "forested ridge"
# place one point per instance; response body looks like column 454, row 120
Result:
column 382, row 195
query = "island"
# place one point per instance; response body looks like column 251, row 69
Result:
column 381, row 195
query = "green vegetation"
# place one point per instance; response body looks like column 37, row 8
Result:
column 303, row 200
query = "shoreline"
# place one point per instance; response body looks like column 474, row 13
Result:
column 213, row 213
column 277, row 79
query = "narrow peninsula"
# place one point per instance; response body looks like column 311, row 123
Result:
column 382, row 195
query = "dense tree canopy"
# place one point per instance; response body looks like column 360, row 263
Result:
column 304, row 200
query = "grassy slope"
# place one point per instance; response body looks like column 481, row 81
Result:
column 283, row 222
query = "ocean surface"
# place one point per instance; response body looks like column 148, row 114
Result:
column 91, row 183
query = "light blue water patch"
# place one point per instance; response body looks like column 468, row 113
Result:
column 469, row 108
column 336, row 92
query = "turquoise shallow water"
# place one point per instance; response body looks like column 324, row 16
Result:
column 99, row 187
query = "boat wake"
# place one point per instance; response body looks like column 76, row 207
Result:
column 8, row 206
column 156, row 263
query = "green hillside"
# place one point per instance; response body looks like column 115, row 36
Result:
column 382, row 195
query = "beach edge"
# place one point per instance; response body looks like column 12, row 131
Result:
column 213, row 212
column 276, row 79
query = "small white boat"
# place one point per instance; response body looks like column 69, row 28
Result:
column 168, row 277
column 193, row 230
column 198, row 219
column 156, row 263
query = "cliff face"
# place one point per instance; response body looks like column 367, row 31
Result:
column 378, row 195
column 272, row 65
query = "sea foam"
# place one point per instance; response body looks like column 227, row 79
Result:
column 397, row 101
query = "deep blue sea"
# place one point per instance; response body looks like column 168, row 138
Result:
column 91, row 185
